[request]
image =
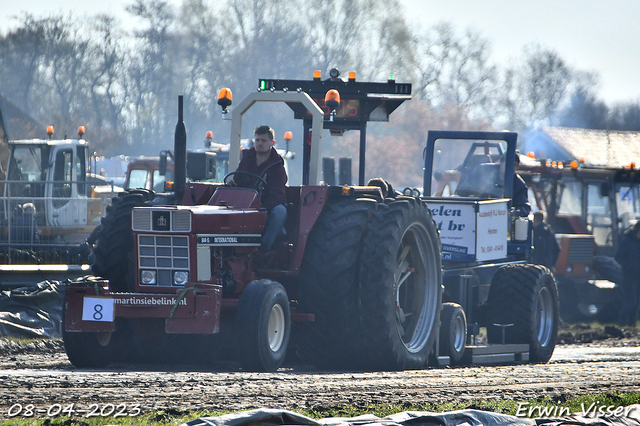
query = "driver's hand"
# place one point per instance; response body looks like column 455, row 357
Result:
column 231, row 182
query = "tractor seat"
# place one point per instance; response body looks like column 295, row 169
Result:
column 482, row 182
column 478, row 159
column 236, row 197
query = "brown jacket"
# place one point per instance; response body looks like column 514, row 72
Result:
column 271, row 170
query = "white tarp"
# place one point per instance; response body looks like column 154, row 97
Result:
column 624, row 416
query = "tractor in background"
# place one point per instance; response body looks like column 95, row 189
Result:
column 589, row 208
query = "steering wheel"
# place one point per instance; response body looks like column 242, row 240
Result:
column 260, row 184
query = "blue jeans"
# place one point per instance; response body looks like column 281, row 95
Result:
column 275, row 223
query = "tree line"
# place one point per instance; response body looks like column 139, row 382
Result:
column 122, row 83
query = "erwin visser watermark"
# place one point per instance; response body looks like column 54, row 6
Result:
column 525, row 409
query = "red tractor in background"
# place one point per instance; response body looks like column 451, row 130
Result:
column 589, row 208
column 358, row 275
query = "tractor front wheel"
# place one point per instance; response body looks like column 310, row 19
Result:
column 264, row 325
column 89, row 350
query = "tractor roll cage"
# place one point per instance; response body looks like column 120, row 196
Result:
column 310, row 172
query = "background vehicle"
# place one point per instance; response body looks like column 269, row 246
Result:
column 144, row 172
column 113, row 169
column 51, row 174
column 589, row 208
column 487, row 280
column 356, row 281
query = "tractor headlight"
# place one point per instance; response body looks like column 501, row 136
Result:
column 180, row 277
column 147, row 277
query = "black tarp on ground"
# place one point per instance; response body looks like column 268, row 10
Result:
column 267, row 416
column 33, row 311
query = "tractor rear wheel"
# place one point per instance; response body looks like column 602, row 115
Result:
column 114, row 247
column 264, row 325
column 400, row 286
column 526, row 296
column 328, row 286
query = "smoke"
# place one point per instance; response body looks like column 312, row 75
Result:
column 542, row 145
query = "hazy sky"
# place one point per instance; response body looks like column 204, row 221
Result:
column 591, row 35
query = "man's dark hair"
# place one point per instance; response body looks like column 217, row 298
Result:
column 265, row 130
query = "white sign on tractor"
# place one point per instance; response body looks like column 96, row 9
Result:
column 472, row 230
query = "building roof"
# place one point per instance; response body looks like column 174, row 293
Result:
column 603, row 148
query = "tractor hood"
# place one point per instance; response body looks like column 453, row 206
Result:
column 199, row 219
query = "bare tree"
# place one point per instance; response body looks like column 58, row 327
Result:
column 106, row 84
column 625, row 116
column 47, row 64
column 201, row 62
column 21, row 55
column 367, row 36
column 584, row 109
column 455, row 70
column 262, row 40
column 123, row 85
column 154, row 87
column 534, row 91
column 66, row 67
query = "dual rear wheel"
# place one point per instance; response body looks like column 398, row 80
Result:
column 371, row 276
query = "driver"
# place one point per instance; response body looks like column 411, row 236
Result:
column 520, row 199
column 263, row 160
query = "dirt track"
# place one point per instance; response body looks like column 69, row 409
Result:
column 45, row 378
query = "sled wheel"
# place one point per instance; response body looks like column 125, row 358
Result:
column 453, row 332
column 264, row 323
column 526, row 296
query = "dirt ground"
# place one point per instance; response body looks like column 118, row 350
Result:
column 39, row 374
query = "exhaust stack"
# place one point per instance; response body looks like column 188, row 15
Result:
column 180, row 153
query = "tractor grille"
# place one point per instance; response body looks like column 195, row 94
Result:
column 165, row 254
column 174, row 220
column 580, row 250
column 181, row 221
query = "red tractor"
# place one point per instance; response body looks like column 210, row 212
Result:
column 355, row 282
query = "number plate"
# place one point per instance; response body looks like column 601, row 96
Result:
column 97, row 309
